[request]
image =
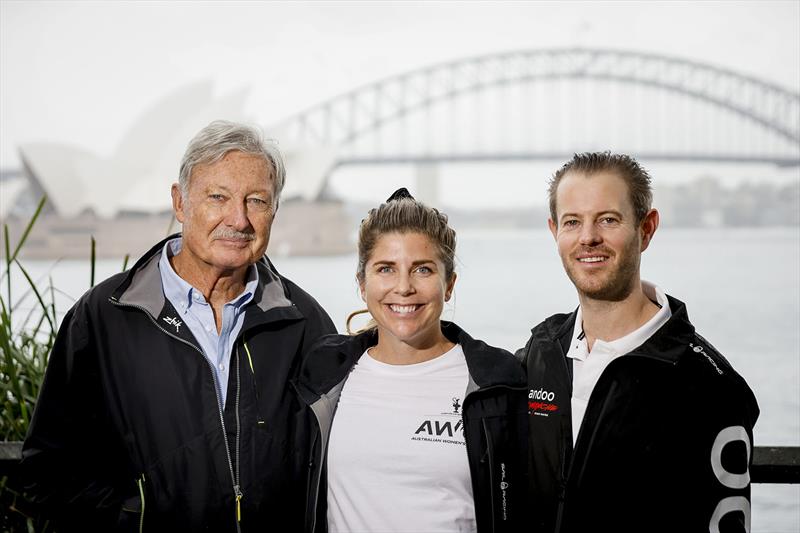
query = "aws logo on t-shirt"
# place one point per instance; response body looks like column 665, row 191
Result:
column 445, row 427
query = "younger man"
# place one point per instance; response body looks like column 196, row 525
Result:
column 636, row 422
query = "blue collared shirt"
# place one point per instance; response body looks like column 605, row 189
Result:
column 198, row 314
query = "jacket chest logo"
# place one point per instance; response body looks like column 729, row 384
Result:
column 541, row 402
column 173, row 321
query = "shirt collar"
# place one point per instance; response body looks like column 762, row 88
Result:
column 250, row 286
column 178, row 290
column 578, row 349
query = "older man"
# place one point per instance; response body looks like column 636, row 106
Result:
column 637, row 424
column 166, row 403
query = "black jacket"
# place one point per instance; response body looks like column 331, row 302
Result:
column 666, row 441
column 494, row 415
column 129, row 409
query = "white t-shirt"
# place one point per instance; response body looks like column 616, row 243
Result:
column 588, row 367
column 397, row 460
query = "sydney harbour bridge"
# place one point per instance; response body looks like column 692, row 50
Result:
column 547, row 104
column 519, row 106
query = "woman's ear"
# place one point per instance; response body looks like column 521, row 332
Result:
column 448, row 291
column 360, row 282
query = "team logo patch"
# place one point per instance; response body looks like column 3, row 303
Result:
column 541, row 402
column 456, row 405
column 172, row 321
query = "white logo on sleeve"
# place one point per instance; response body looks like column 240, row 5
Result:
column 730, row 480
column 696, row 348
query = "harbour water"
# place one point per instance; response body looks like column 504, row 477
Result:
column 741, row 287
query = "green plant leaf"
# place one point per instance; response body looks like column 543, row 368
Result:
column 36, row 293
column 28, row 229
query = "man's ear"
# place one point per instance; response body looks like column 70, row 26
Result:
column 553, row 227
column 178, row 203
column 648, row 228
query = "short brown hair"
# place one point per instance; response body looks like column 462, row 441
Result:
column 406, row 215
column 626, row 167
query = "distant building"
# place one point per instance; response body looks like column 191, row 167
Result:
column 123, row 201
column 137, row 177
column 705, row 202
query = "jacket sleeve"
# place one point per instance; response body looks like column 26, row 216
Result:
column 67, row 466
column 318, row 324
column 521, row 355
column 719, row 472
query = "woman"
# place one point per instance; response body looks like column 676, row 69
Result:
column 412, row 424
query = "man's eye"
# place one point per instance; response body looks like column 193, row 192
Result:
column 258, row 203
column 216, row 197
column 570, row 223
column 384, row 269
column 608, row 220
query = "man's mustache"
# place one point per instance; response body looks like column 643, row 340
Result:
column 227, row 233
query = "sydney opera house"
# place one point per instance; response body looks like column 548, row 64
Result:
column 123, row 200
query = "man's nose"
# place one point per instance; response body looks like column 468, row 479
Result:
column 236, row 215
column 590, row 235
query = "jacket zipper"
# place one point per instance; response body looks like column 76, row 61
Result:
column 310, row 465
column 566, row 475
column 562, row 484
column 259, row 420
column 565, row 472
column 488, row 445
column 324, row 454
column 589, row 446
column 234, row 479
column 491, row 470
column 237, row 488
column 140, row 483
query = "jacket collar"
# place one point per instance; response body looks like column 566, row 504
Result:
column 666, row 344
column 141, row 287
column 333, row 356
column 487, row 364
column 669, row 343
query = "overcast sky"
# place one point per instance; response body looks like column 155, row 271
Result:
column 81, row 73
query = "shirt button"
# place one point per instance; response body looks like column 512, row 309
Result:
column 208, row 328
column 222, row 367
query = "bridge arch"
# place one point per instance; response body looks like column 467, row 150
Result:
column 364, row 109
column 668, row 109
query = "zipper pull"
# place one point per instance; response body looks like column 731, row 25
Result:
column 239, row 495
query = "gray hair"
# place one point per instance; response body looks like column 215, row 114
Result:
column 222, row 136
